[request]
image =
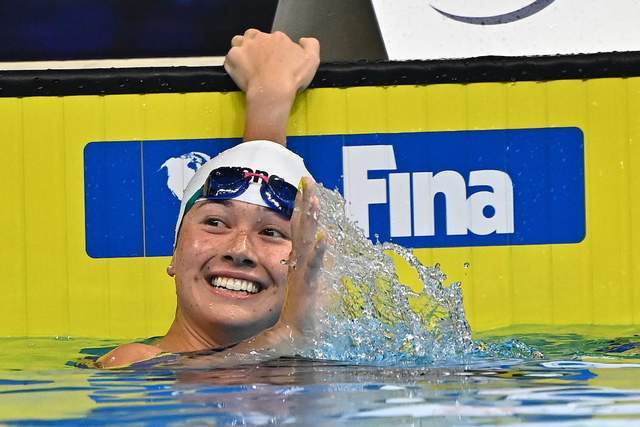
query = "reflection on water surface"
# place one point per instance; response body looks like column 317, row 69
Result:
column 590, row 376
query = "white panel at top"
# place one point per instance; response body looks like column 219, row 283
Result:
column 415, row 29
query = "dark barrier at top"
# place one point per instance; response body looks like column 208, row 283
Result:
column 210, row 79
column 40, row 30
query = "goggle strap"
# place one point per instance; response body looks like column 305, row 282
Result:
column 192, row 200
column 263, row 177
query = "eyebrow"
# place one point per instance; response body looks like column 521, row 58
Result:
column 228, row 204
column 225, row 203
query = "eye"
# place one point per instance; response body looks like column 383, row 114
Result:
column 272, row 232
column 214, row 222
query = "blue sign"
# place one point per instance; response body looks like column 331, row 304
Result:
column 431, row 189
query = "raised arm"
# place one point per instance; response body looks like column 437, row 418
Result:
column 271, row 69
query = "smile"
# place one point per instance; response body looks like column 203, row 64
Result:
column 235, row 284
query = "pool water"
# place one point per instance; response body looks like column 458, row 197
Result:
column 584, row 376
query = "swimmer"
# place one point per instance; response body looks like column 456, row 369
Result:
column 247, row 246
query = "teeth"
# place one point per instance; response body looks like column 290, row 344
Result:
column 235, row 284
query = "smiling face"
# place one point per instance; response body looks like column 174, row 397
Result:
column 230, row 277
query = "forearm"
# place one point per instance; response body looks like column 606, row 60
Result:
column 267, row 114
column 270, row 344
column 280, row 340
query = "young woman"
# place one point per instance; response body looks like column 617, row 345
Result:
column 247, row 247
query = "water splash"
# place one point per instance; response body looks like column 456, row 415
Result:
column 374, row 318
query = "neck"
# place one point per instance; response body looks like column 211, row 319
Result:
column 184, row 336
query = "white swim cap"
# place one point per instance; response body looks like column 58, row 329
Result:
column 262, row 155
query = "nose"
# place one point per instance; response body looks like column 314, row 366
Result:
column 240, row 251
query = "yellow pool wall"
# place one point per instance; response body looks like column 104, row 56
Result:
column 51, row 287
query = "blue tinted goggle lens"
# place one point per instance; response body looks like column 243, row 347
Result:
column 229, row 182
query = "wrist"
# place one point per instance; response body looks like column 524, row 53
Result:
column 286, row 338
column 267, row 114
column 279, row 95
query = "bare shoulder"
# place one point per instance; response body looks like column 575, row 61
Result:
column 127, row 354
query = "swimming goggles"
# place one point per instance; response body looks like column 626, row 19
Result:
column 229, row 182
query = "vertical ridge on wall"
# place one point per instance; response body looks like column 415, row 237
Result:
column 45, row 209
column 633, row 121
column 446, row 110
column 606, row 107
column 630, row 197
column 326, row 111
column 486, row 108
column 88, row 297
column 12, row 218
column 526, row 104
column 161, row 120
column 625, row 201
column 122, row 117
column 566, row 106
